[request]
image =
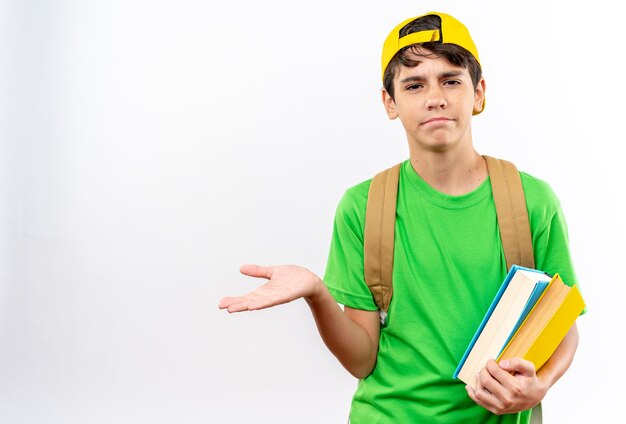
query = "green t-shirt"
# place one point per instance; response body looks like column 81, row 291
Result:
column 448, row 265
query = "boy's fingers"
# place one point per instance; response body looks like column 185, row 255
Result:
column 226, row 302
column 238, row 307
column 498, row 373
column 256, row 271
column 234, row 304
column 518, row 365
column 259, row 298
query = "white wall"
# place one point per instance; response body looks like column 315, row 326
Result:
column 150, row 147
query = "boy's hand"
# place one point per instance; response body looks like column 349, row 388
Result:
column 286, row 283
column 508, row 387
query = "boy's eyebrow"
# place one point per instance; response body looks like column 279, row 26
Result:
column 417, row 78
column 451, row 74
column 412, row 78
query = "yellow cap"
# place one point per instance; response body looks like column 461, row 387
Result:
column 452, row 32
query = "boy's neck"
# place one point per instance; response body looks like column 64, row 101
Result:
column 453, row 173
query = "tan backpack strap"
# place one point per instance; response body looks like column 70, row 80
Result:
column 508, row 196
column 380, row 224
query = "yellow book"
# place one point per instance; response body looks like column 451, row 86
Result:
column 546, row 325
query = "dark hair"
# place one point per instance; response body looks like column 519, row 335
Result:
column 453, row 53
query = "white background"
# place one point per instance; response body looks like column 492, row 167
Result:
column 148, row 148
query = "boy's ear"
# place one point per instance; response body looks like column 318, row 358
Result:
column 479, row 96
column 390, row 104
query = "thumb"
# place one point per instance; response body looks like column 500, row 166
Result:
column 257, row 271
column 518, row 365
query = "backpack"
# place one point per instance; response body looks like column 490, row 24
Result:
column 380, row 220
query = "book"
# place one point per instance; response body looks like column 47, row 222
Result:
column 547, row 324
column 518, row 293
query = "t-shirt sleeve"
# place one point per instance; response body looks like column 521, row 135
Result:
column 553, row 246
column 550, row 233
column 344, row 274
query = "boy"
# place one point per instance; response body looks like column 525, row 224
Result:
column 448, row 260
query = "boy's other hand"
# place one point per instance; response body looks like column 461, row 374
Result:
column 285, row 284
column 508, row 387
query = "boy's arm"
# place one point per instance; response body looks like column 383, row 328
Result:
column 513, row 385
column 352, row 336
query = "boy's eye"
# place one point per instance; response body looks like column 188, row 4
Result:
column 414, row 87
column 452, row 82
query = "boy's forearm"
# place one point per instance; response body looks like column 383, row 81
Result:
column 350, row 342
column 560, row 360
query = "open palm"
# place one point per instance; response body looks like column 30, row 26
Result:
column 285, row 284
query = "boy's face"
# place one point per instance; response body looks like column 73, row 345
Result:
column 434, row 101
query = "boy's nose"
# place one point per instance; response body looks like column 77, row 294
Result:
column 436, row 102
column 435, row 98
